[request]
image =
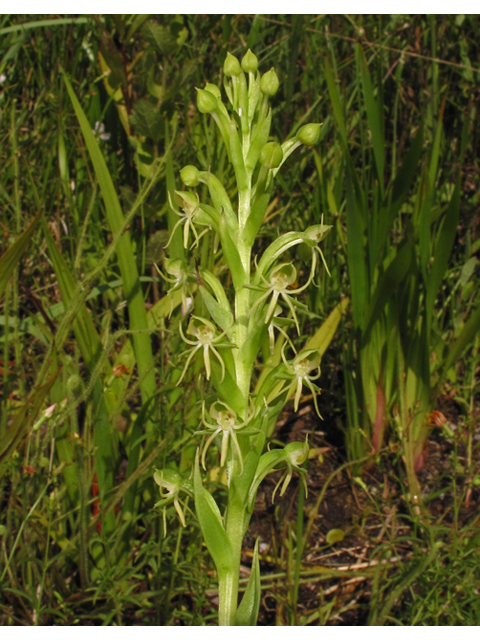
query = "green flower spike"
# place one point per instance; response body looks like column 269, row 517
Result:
column 281, row 277
column 226, row 424
column 191, row 209
column 205, row 332
column 300, row 368
column 173, row 483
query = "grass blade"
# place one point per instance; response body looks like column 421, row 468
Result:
column 12, row 255
column 374, row 112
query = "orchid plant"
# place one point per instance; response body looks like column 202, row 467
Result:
column 237, row 416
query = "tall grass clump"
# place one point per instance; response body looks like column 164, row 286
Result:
column 399, row 238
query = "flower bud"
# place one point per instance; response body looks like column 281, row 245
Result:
column 74, row 383
column 269, row 83
column 250, row 62
column 206, row 101
column 214, row 90
column 189, row 175
column 296, row 453
column 271, row 155
column 231, row 66
column 309, row 134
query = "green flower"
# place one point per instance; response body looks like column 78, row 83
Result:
column 300, row 368
column 282, row 276
column 291, row 458
column 250, row 62
column 172, row 482
column 271, row 155
column 191, row 211
column 176, row 268
column 312, row 238
column 269, row 83
column 206, row 101
column 227, row 425
column 309, row 134
column 205, row 333
column 189, row 175
column 231, row 66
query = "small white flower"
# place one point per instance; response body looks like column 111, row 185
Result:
column 100, row 131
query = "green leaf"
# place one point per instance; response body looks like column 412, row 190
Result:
column 159, row 37
column 336, row 103
column 237, row 157
column 231, row 254
column 86, row 335
column 442, row 250
column 12, row 255
column 394, row 276
column 227, row 388
column 147, row 120
column 221, row 315
column 90, row 346
column 335, row 535
column 247, row 612
column 355, row 248
column 136, row 24
column 259, row 140
column 255, row 219
column 323, row 336
column 126, row 258
column 466, row 337
column 374, row 115
column 274, row 251
column 211, row 524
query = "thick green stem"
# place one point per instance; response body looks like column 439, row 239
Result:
column 242, row 298
column 228, row 583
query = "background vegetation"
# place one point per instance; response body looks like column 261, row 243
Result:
column 89, row 345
